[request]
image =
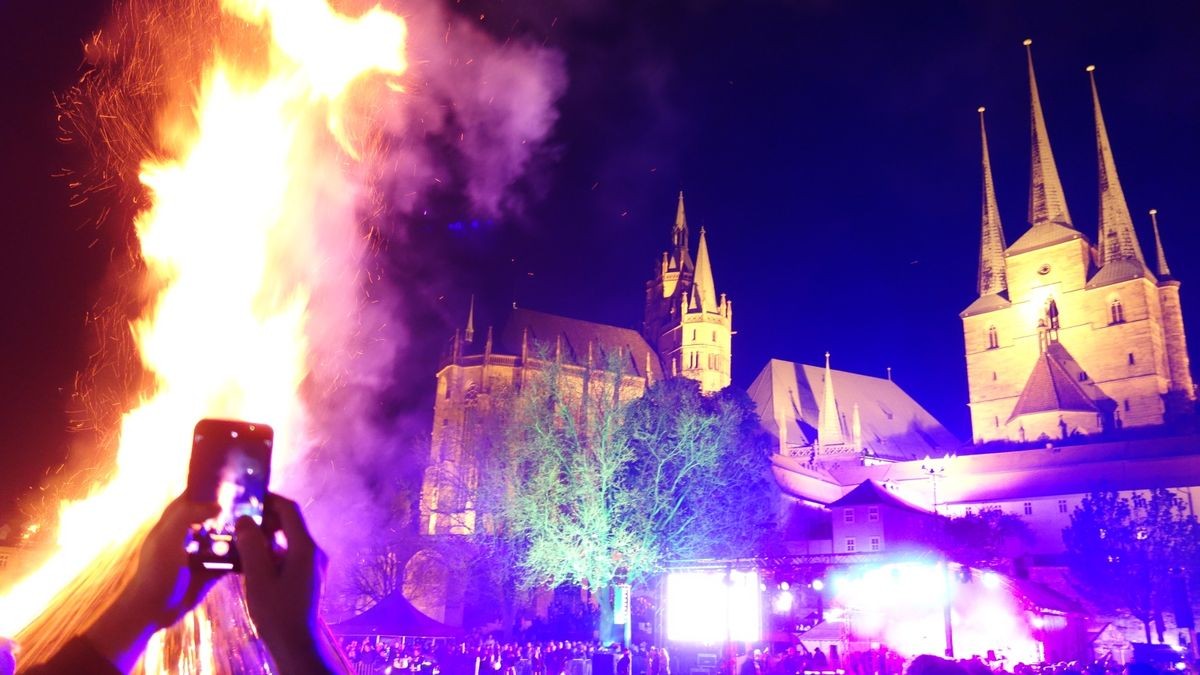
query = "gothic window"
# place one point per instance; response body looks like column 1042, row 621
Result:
column 1082, row 376
column 1116, row 312
column 1131, row 359
column 1126, row 405
column 993, row 338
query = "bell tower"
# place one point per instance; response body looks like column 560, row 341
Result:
column 686, row 321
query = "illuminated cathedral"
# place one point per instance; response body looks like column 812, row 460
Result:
column 687, row 332
column 1069, row 345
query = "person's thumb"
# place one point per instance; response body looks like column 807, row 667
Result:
column 253, row 549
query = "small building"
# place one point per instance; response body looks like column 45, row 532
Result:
column 870, row 516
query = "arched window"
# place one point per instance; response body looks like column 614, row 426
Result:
column 1116, row 312
column 993, row 338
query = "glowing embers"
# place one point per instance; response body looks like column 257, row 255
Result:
column 714, row 606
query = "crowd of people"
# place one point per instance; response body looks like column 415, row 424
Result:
column 374, row 655
column 370, row 655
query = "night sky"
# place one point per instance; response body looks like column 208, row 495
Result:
column 831, row 150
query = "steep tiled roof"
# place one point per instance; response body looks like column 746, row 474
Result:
column 985, row 304
column 870, row 492
column 1055, row 384
column 788, row 397
column 1041, row 236
column 547, row 329
column 1119, row 270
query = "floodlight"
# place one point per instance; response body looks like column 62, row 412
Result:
column 783, row 602
column 713, row 606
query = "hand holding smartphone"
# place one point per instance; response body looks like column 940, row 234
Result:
column 230, row 465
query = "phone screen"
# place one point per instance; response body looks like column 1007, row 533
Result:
column 231, row 465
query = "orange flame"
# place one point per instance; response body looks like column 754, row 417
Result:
column 232, row 237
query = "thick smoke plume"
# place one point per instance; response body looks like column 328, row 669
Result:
column 470, row 130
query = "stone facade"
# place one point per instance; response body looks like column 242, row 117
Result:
column 1116, row 333
column 687, row 332
column 1116, row 327
column 471, row 383
column 687, row 322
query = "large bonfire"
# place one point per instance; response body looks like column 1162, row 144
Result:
column 251, row 203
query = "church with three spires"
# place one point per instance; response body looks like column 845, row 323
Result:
column 1070, row 337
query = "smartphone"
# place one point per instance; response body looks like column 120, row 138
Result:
column 230, row 465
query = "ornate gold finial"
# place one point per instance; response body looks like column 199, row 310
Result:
column 1090, row 69
column 1027, row 42
column 981, row 108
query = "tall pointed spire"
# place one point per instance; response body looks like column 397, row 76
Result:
column 469, row 334
column 1161, row 270
column 992, row 275
column 703, row 287
column 1047, row 204
column 679, row 238
column 1118, row 241
column 829, row 424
